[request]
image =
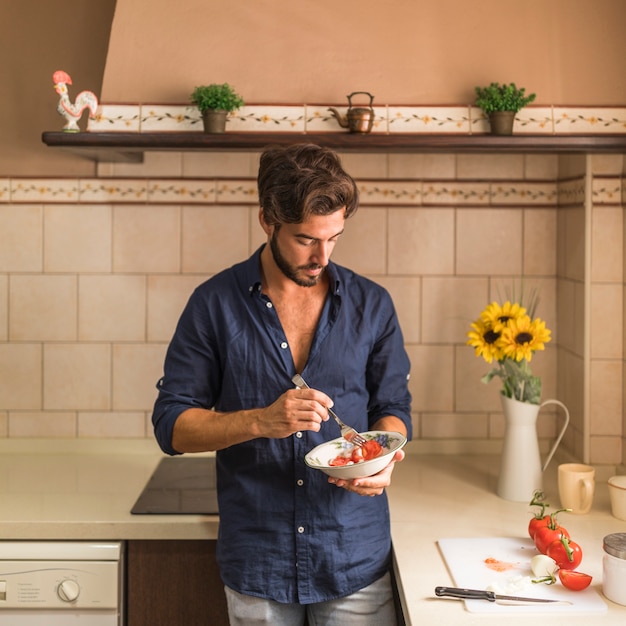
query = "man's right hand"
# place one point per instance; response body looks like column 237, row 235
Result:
column 293, row 411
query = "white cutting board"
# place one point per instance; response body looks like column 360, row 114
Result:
column 466, row 558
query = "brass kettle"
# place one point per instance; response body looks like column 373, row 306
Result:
column 358, row 119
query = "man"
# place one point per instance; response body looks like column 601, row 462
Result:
column 290, row 544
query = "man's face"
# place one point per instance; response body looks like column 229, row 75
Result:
column 302, row 251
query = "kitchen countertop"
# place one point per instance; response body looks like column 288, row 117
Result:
column 75, row 490
column 84, row 490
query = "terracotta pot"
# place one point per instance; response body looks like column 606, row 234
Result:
column 502, row 122
column 214, row 121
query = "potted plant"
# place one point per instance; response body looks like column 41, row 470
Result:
column 215, row 102
column 500, row 103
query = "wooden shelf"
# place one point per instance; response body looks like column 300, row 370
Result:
column 129, row 147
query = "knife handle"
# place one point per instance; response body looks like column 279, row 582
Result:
column 467, row 594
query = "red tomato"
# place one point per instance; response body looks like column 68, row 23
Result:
column 566, row 553
column 371, row 449
column 576, row 581
column 536, row 523
column 339, row 461
column 545, row 535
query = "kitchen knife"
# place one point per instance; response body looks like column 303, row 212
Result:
column 478, row 594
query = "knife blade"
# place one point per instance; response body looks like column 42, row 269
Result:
column 491, row 596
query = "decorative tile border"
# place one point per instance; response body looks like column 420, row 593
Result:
column 453, row 193
column 550, row 120
column 163, row 118
column 390, row 192
column 44, row 190
column 524, row 193
column 267, row 119
column 589, row 120
column 429, row 120
column 105, row 190
column 243, row 191
column 534, row 120
column 188, row 191
column 607, row 190
column 571, row 192
column 116, row 118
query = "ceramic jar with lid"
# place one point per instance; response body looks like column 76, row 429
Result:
column 614, row 568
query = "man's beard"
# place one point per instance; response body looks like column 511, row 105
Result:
column 290, row 271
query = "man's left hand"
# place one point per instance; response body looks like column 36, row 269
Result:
column 371, row 485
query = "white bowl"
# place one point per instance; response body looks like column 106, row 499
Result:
column 617, row 492
column 320, row 457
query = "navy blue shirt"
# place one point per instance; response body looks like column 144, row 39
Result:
column 285, row 533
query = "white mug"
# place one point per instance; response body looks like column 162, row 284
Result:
column 576, row 486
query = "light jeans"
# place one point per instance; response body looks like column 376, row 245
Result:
column 371, row 606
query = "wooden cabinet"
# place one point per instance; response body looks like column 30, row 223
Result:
column 177, row 583
column 174, row 582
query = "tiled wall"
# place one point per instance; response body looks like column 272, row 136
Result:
column 590, row 270
column 94, row 273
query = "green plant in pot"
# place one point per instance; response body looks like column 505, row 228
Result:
column 215, row 102
column 500, row 103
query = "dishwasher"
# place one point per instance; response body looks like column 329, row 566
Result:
column 58, row 583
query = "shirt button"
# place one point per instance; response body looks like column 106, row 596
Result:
column 269, row 305
column 284, row 345
column 300, row 482
column 299, row 435
column 300, row 529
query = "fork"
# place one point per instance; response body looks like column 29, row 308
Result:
column 347, row 432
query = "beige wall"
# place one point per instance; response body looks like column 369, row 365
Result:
column 569, row 52
column 90, row 291
column 38, row 38
column 402, row 51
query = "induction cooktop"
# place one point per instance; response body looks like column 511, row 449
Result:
column 180, row 486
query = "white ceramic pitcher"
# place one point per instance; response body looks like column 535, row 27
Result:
column 521, row 471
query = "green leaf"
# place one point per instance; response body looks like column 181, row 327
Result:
column 497, row 97
column 217, row 97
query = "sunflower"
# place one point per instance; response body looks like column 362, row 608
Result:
column 523, row 336
column 497, row 316
column 508, row 335
column 484, row 340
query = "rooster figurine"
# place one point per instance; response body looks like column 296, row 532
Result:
column 73, row 112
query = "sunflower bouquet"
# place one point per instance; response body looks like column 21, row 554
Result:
column 508, row 335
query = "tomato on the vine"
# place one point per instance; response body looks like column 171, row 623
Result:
column 576, row 581
column 539, row 519
column 567, row 553
column 546, row 535
column 536, row 523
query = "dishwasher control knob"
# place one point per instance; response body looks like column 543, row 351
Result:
column 68, row 590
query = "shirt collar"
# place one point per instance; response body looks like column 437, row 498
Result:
column 253, row 273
